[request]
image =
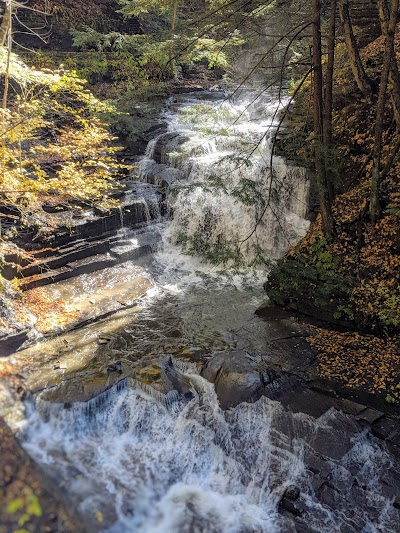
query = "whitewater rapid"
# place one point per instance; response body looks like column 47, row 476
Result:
column 178, row 463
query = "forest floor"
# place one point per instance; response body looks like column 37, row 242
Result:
column 352, row 280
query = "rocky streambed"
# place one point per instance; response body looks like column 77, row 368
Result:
column 161, row 401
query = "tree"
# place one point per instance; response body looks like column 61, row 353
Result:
column 388, row 27
column 5, row 22
column 6, row 38
column 363, row 81
column 320, row 168
column 328, row 104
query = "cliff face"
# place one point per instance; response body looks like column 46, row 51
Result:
column 351, row 280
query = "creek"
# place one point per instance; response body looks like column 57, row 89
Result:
column 140, row 414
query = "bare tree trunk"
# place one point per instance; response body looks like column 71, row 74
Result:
column 9, row 46
column 394, row 76
column 5, row 22
column 363, row 81
column 325, row 207
column 328, row 106
column 374, row 207
column 174, row 20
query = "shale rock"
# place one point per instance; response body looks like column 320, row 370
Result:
column 15, row 320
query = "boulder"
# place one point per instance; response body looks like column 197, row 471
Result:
column 236, row 376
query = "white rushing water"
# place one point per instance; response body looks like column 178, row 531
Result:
column 133, row 460
column 171, row 464
column 228, row 203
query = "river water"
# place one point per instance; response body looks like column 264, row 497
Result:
column 141, row 457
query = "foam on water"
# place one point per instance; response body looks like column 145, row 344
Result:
column 154, row 463
column 225, row 195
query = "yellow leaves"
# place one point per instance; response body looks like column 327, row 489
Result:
column 26, row 507
column 358, row 361
column 53, row 142
column 52, row 314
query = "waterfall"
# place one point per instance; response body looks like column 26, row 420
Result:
column 185, row 465
column 121, row 216
column 134, row 459
column 229, row 204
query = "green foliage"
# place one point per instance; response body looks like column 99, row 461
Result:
column 322, row 258
column 388, row 313
column 89, row 39
column 220, row 253
column 248, row 192
column 137, row 7
column 143, row 57
column 315, row 286
column 27, row 508
column 389, row 399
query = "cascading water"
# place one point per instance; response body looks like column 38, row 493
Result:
column 176, row 464
column 229, row 203
column 134, row 459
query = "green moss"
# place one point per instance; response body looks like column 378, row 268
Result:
column 292, row 282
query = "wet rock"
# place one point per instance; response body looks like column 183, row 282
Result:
column 177, row 380
column 15, row 320
column 236, row 377
column 165, row 144
column 158, row 174
column 383, row 427
column 84, row 388
column 370, row 415
column 115, row 367
column 51, row 207
column 153, row 131
column 394, row 437
column 294, row 507
column 10, row 343
column 329, row 496
column 292, row 492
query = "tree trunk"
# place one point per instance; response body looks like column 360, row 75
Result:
column 363, row 81
column 9, row 46
column 394, row 76
column 5, row 23
column 325, row 208
column 174, row 20
column 374, row 206
column 328, row 106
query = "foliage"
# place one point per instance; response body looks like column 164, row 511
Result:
column 145, row 57
column 52, row 313
column 68, row 12
column 359, row 362
column 219, row 253
column 137, row 7
column 313, row 287
column 53, row 143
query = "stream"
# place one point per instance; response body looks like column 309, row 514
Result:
column 121, row 414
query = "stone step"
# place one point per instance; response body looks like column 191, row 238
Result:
column 139, row 246
column 70, row 229
column 84, row 260
column 73, row 253
column 76, row 268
